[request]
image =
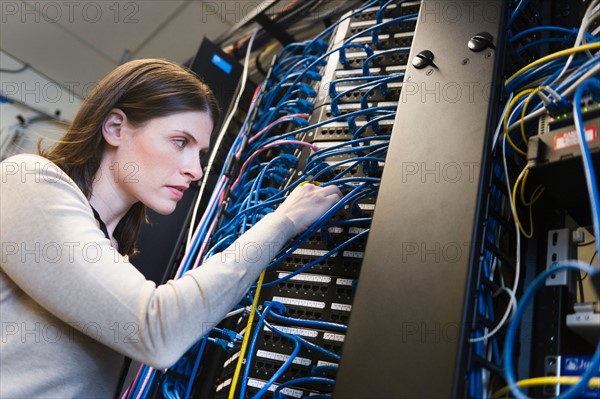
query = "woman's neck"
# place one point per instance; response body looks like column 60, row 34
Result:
column 108, row 198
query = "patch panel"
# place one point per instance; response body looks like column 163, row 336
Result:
column 343, row 157
column 340, row 131
column 314, row 287
column 273, row 349
column 391, row 11
column 333, row 266
column 309, row 293
column 373, row 71
column 254, row 384
column 305, row 309
column 356, row 59
column 389, row 41
column 332, row 341
column 266, row 363
column 390, row 95
column 402, row 26
column 325, row 291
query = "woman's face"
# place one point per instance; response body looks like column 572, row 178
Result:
column 157, row 161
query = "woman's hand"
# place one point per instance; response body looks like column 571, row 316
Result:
column 307, row 203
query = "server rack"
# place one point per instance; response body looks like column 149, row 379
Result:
column 425, row 317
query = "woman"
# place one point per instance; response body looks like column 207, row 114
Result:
column 71, row 304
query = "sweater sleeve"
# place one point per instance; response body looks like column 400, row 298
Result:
column 54, row 251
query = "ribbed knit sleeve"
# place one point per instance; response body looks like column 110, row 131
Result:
column 54, row 251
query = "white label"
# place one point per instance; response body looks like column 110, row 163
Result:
column 369, row 39
column 307, row 277
column 299, row 302
column 571, row 138
column 355, row 72
column 367, row 207
column 367, row 23
column 341, row 306
column 371, row 9
column 354, row 254
column 395, row 68
column 231, row 359
column 296, row 331
column 373, row 142
column 404, row 34
column 286, row 391
column 344, row 281
column 324, row 363
column 335, row 230
column 356, row 230
column 223, row 384
column 328, row 144
column 334, row 337
column 337, row 124
column 310, row 252
column 350, row 106
column 282, row 358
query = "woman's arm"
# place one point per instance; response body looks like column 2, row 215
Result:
column 53, row 249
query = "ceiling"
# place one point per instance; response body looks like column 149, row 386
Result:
column 75, row 43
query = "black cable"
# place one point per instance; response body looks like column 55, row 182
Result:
column 585, row 244
column 23, row 68
column 591, row 261
column 580, row 287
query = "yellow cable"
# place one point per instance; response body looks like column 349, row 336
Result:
column 514, row 205
column 238, row 367
column 522, row 121
column 549, row 57
column 539, row 190
column 531, row 382
column 507, row 115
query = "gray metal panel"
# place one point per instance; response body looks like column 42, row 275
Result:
column 403, row 337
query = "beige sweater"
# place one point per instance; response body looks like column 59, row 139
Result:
column 71, row 306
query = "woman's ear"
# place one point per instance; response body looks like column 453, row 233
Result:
column 112, row 126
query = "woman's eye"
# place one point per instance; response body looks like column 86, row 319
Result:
column 180, row 142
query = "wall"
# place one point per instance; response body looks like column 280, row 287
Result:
column 32, row 107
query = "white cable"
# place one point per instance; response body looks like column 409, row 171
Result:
column 593, row 71
column 590, row 10
column 513, row 300
column 222, row 133
column 499, row 127
column 237, row 311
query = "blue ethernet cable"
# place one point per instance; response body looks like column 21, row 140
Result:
column 300, row 239
column 361, row 112
column 251, row 350
column 539, row 281
column 377, row 82
column 306, row 267
column 517, row 10
column 365, row 63
column 344, row 61
column 373, row 29
column 559, row 29
column 303, row 341
column 379, row 14
column 577, row 389
column 188, row 390
column 331, row 28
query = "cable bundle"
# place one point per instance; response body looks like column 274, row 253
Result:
column 551, row 85
column 324, row 115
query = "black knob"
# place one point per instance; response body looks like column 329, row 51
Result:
column 423, row 60
column 481, row 41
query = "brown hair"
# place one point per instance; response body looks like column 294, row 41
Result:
column 142, row 89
